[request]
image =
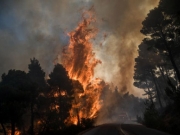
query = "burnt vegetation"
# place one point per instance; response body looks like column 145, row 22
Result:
column 157, row 68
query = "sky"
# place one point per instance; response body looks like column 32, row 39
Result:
column 37, row 28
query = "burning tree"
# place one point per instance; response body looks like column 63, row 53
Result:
column 61, row 93
column 79, row 60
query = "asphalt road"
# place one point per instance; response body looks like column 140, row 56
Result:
column 122, row 129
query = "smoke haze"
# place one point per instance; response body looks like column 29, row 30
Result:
column 38, row 28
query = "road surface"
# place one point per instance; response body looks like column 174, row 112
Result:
column 122, row 129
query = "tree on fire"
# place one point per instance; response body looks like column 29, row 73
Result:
column 77, row 89
column 61, row 93
column 14, row 95
column 162, row 30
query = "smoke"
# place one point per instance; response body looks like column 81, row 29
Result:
column 37, row 28
column 121, row 21
column 34, row 28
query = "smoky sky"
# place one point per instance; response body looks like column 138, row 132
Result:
column 37, row 28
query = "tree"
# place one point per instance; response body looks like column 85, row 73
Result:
column 157, row 66
column 161, row 28
column 14, row 95
column 77, row 101
column 37, row 77
column 162, row 34
column 61, row 93
column 145, row 76
column 36, row 74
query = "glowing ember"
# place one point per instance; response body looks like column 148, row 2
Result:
column 79, row 60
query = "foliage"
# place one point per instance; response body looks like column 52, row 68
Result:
column 60, row 80
column 27, row 94
column 60, row 85
column 14, row 90
column 37, row 77
column 157, row 68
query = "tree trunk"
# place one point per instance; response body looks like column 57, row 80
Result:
column 174, row 65
column 171, row 56
column 166, row 98
column 12, row 127
column 158, row 93
column 162, row 73
column 4, row 130
column 167, row 72
column 151, row 98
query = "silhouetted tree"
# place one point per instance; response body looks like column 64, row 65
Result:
column 14, row 95
column 37, row 77
column 77, row 101
column 145, row 76
column 162, row 34
column 162, row 30
column 61, row 93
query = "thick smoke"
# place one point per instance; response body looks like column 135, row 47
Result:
column 34, row 28
column 121, row 20
column 38, row 29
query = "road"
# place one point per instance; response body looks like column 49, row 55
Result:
column 122, row 129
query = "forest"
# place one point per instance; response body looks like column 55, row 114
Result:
column 157, row 68
column 34, row 103
column 31, row 104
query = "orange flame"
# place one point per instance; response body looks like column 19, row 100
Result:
column 79, row 60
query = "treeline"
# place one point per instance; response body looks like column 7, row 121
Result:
column 157, row 68
column 31, row 104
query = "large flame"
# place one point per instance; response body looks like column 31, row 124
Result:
column 78, row 57
column 79, row 60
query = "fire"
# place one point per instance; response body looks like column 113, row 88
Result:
column 79, row 60
column 78, row 57
column 17, row 132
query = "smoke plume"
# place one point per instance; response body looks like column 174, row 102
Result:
column 38, row 29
